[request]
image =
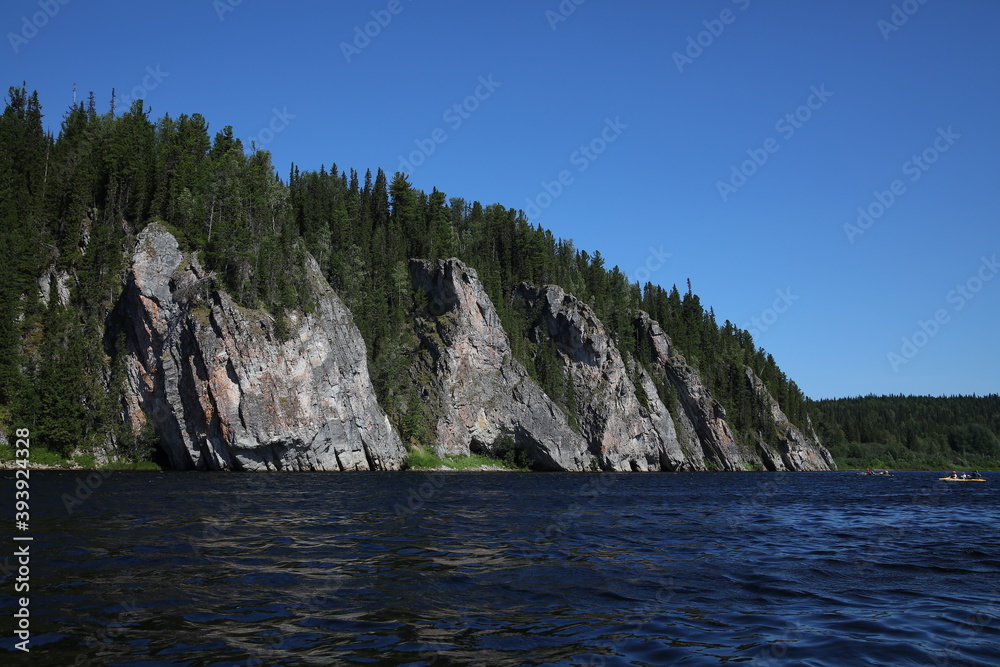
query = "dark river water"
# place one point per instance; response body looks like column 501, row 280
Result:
column 506, row 569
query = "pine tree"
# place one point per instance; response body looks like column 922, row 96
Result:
column 61, row 384
column 23, row 164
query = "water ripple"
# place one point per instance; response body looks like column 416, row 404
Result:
column 514, row 569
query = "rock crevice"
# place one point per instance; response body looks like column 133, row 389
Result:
column 225, row 394
column 477, row 393
column 626, row 428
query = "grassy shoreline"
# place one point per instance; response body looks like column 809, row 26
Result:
column 448, row 464
column 424, row 459
column 417, row 459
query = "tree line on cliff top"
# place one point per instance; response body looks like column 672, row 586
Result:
column 71, row 204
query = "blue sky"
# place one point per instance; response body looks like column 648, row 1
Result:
column 728, row 142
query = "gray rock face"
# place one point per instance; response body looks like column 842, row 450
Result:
column 225, row 393
column 626, row 427
column 476, row 391
column 703, row 419
column 797, row 451
column 61, row 277
column 62, row 283
column 710, row 440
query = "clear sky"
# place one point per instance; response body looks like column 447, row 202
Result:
column 729, row 142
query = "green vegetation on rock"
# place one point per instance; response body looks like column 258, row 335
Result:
column 72, row 204
column 425, row 459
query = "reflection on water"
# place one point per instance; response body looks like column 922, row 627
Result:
column 511, row 569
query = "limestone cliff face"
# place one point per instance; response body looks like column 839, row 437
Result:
column 797, row 451
column 476, row 392
column 620, row 414
column 225, row 393
column 474, row 389
column 709, row 437
column 703, row 419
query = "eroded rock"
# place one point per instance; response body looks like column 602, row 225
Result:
column 225, row 393
column 476, row 391
column 625, row 423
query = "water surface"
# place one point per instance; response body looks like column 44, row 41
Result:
column 509, row 569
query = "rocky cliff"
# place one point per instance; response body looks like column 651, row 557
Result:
column 612, row 413
column 797, row 451
column 703, row 418
column 707, row 435
column 623, row 420
column 474, row 390
column 226, row 393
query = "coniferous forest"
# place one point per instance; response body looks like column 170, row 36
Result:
column 72, row 203
column 912, row 431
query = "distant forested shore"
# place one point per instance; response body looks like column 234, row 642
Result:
column 913, row 432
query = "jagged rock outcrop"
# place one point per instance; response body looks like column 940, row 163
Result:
column 61, row 279
column 625, row 423
column 474, row 389
column 702, row 417
column 475, row 392
column 225, row 393
column 797, row 451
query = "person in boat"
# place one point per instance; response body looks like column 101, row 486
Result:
column 976, row 475
column 954, row 475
